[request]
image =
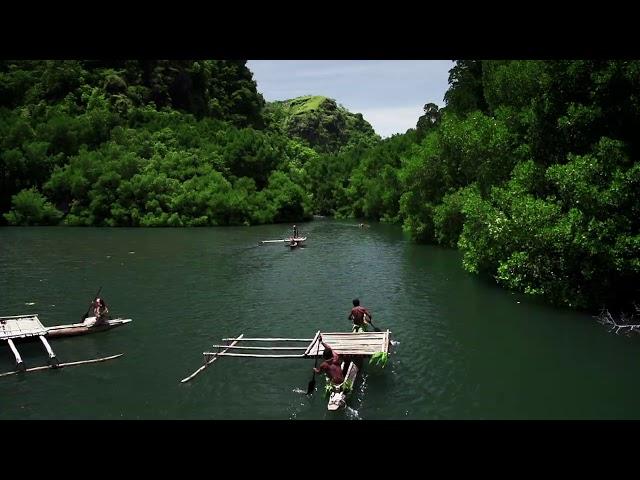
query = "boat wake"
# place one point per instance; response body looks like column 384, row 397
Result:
column 352, row 413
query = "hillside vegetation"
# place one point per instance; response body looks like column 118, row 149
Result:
column 531, row 169
column 321, row 123
column 149, row 143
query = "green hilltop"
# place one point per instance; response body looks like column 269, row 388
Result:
column 320, row 122
column 306, row 103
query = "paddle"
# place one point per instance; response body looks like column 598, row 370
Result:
column 312, row 383
column 84, row 317
column 375, row 329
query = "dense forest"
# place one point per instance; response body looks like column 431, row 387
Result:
column 531, row 168
column 154, row 143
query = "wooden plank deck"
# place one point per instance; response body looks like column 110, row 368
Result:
column 20, row 326
column 347, row 343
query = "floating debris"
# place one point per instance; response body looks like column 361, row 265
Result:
column 29, row 303
column 131, row 252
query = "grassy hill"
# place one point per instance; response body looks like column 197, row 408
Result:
column 320, row 122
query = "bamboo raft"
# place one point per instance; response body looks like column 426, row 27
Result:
column 23, row 328
column 357, row 345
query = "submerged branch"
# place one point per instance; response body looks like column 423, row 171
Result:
column 626, row 325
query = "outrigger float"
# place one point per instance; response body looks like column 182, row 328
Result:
column 24, row 328
column 357, row 346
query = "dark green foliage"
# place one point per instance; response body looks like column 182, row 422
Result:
column 143, row 143
column 428, row 121
column 531, row 170
column 30, row 207
column 252, row 154
column 566, row 225
column 466, row 92
column 449, row 217
column 374, row 190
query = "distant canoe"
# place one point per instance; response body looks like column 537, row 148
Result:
column 295, row 242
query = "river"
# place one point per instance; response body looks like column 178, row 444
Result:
column 463, row 348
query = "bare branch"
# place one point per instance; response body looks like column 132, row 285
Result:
column 623, row 324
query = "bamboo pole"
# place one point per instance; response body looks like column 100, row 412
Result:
column 69, row 364
column 353, row 334
column 52, row 356
column 261, row 348
column 313, row 342
column 373, row 341
column 386, row 341
column 378, row 346
column 19, row 362
column 235, row 340
column 350, row 351
column 272, row 339
column 252, row 355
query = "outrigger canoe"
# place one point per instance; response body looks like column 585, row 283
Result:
column 23, row 328
column 296, row 242
column 292, row 242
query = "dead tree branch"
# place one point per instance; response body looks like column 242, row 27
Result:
column 626, row 325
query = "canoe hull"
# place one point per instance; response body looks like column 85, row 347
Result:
column 338, row 398
column 295, row 242
column 75, row 329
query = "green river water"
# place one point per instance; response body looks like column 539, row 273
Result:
column 463, row 348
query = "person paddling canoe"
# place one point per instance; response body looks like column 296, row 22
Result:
column 100, row 310
column 331, row 365
column 359, row 315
